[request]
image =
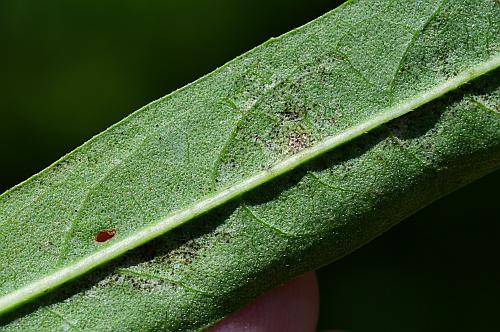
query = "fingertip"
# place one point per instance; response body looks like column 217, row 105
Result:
column 292, row 307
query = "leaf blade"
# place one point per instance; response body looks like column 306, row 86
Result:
column 139, row 139
column 141, row 237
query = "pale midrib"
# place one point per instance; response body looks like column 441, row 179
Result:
column 41, row 286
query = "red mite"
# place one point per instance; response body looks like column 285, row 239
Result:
column 105, row 235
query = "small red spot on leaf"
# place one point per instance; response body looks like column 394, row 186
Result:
column 105, row 235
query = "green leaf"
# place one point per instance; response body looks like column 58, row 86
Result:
column 283, row 160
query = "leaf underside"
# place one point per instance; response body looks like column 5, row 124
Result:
column 350, row 71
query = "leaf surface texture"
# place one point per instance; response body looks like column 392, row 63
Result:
column 311, row 138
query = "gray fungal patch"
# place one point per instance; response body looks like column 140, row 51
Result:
column 298, row 142
column 124, row 277
column 186, row 253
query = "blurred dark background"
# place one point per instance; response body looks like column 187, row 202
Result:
column 69, row 69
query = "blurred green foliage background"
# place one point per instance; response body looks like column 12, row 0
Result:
column 69, row 69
